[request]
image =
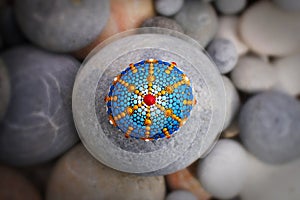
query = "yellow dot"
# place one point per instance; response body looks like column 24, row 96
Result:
column 115, row 98
column 163, row 92
column 126, row 84
column 148, row 122
column 131, row 88
column 148, row 115
column 165, row 129
column 129, row 111
column 168, row 112
column 135, row 107
column 167, row 71
column 148, row 128
column 134, row 71
column 151, row 78
column 169, row 89
column 184, row 102
column 136, row 91
column 130, row 128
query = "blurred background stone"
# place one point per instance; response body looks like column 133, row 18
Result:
column 223, row 172
column 39, row 124
column 168, row 7
column 162, row 22
column 78, row 175
column 181, row 195
column 63, row 25
column 288, row 5
column 4, row 89
column 269, row 127
column 13, row 186
column 230, row 6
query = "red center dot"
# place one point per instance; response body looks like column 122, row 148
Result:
column 149, row 99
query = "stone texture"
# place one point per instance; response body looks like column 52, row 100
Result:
column 168, row 7
column 180, row 195
column 252, row 75
column 223, row 172
column 162, row 22
column 4, row 89
column 269, row 127
column 78, row 175
column 269, row 30
column 288, row 5
column 199, row 21
column 16, row 187
column 228, row 7
column 63, row 26
column 39, row 124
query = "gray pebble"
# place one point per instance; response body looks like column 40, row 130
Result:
column 62, row 26
column 4, row 89
column 162, row 22
column 38, row 125
column 199, row 21
column 223, row 53
column 288, row 5
column 168, row 7
column 230, row 6
column 181, row 195
column 269, row 127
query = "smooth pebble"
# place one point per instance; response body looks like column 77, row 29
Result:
column 269, row 127
column 168, row 7
column 252, row 74
column 223, row 172
column 181, row 195
column 223, row 53
column 4, row 89
column 62, row 26
column 269, row 30
column 228, row 29
column 199, row 21
column 288, row 5
column 288, row 73
column 230, row 6
column 38, row 125
column 78, row 175
column 162, row 22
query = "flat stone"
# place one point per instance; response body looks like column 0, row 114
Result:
column 228, row 7
column 63, row 26
column 4, row 89
column 38, row 125
column 252, row 75
column 168, row 7
column 162, row 22
column 77, row 175
column 269, row 127
column 267, row 36
column 199, row 21
column 223, row 172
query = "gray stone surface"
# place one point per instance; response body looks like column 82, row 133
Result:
column 223, row 53
column 181, row 195
column 168, row 7
column 269, row 127
column 288, row 5
column 78, row 176
column 62, row 25
column 162, row 22
column 136, row 156
column 199, row 21
column 230, row 6
column 38, row 125
column 4, row 89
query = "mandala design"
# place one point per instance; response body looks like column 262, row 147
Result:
column 149, row 100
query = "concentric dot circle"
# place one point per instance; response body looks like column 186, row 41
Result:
column 149, row 100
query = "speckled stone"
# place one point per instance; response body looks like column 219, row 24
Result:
column 252, row 75
column 63, row 26
column 271, row 182
column 13, row 186
column 4, row 89
column 180, row 195
column 269, row 124
column 168, row 7
column 288, row 73
column 288, row 5
column 279, row 38
column 199, row 21
column 124, row 15
column 232, row 101
column 162, row 22
column 228, row 7
column 223, row 53
column 39, row 124
column 78, row 175
column 159, row 156
column 223, row 172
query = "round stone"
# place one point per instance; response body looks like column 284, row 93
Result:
column 269, row 127
column 4, row 89
column 168, row 7
column 223, row 172
column 228, row 7
column 77, row 175
column 180, row 195
column 176, row 81
column 63, row 26
column 279, row 38
column 252, row 75
column 199, row 21
column 38, row 125
column 288, row 5
column 223, row 53
column 162, row 22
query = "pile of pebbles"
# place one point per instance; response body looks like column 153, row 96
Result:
column 247, row 89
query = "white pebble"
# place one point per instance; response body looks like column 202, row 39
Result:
column 223, row 172
column 252, row 75
column 168, row 7
column 230, row 6
column 181, row 195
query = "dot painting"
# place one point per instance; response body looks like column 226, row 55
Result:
column 149, row 100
